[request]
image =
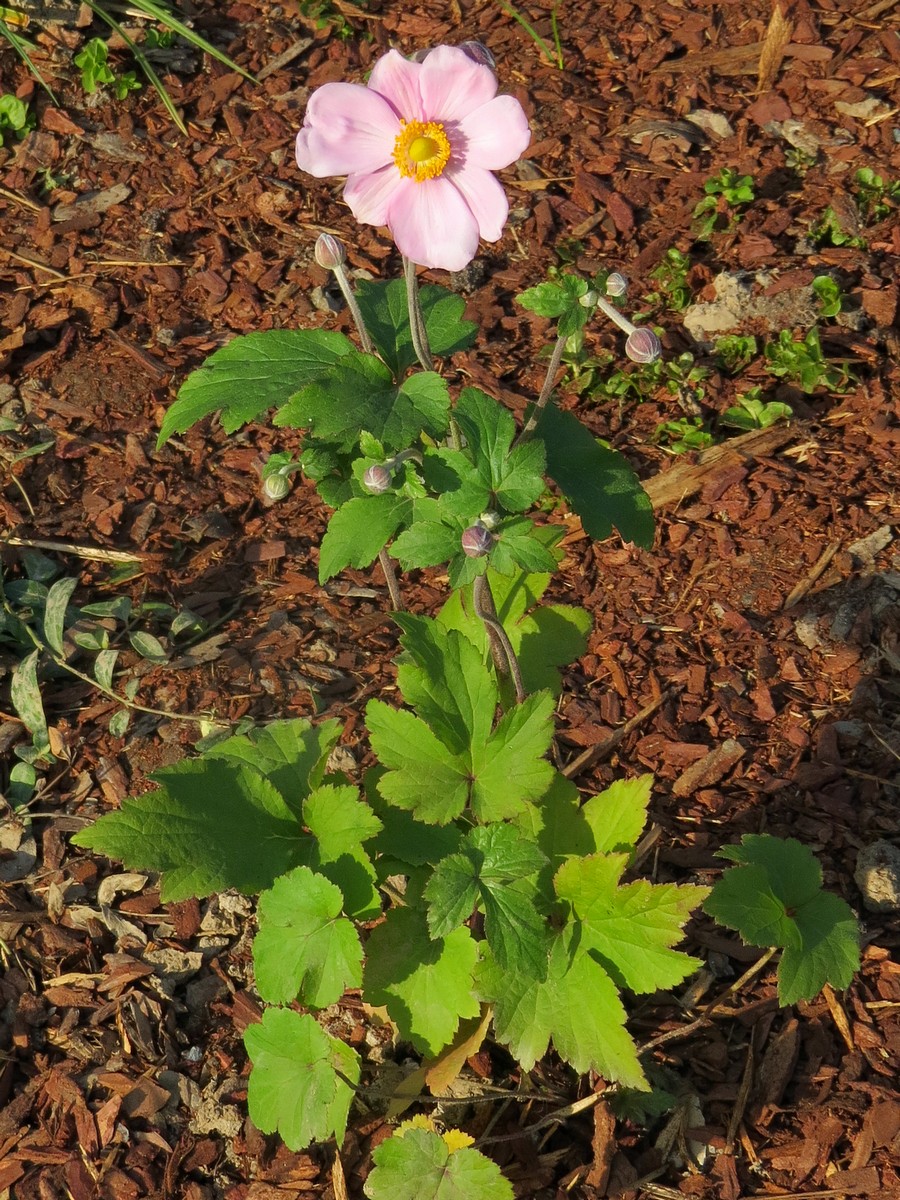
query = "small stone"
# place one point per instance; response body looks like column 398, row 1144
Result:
column 877, row 876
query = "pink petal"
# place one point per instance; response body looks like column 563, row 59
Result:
column 347, row 128
column 485, row 198
column 432, row 224
column 397, row 80
column 494, row 135
column 452, row 85
column 369, row 194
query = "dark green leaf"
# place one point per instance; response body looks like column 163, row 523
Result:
column 386, row 315
column 359, row 530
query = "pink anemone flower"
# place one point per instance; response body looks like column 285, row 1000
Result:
column 418, row 145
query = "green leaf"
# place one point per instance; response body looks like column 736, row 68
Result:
column 598, row 482
column 515, row 478
column 253, row 373
column 617, row 816
column 543, row 637
column 577, row 1006
column 519, row 544
column 148, row 646
column 386, row 314
column 426, row 543
column 509, row 769
column 25, row 694
column 55, row 613
column 491, row 870
column 404, row 839
column 360, row 393
column 425, row 985
column 292, row 754
column 305, row 950
column 212, row 824
column 559, row 298
column 296, row 1086
column 340, row 822
column 359, row 530
column 630, row 929
column 774, row 897
column 423, row 776
column 419, row 1165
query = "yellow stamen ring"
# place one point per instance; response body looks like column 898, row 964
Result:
column 421, row 150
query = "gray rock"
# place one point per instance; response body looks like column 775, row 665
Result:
column 877, row 876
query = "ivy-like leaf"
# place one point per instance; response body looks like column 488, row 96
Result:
column 598, row 482
column 194, row 829
column 386, row 314
column 253, row 373
column 297, row 1084
column 774, row 897
column 305, row 950
column 360, row 393
column 359, row 530
column 425, row 985
column 577, row 1006
column 421, row 1165
column 630, row 928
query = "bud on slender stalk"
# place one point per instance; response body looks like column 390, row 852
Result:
column 276, row 486
column 330, row 252
column 378, row 478
column 643, row 346
column 616, row 284
column 476, row 541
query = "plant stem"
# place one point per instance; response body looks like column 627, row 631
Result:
column 343, row 281
column 546, row 392
column 501, row 647
column 416, row 321
column 390, row 578
column 615, row 316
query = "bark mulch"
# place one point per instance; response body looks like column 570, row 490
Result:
column 751, row 660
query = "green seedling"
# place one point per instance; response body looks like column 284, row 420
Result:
column 799, row 161
column 828, row 231
column 673, row 292
column 803, row 363
column 16, row 118
column 753, row 412
column 726, row 195
column 96, row 71
column 829, row 295
column 684, row 379
column 555, row 55
column 875, row 198
column 684, row 434
column 774, row 897
column 734, row 352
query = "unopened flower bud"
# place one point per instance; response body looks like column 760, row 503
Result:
column 479, row 53
column 643, row 346
column 476, row 540
column 616, row 284
column 330, row 252
column 276, row 486
column 377, row 479
column 588, row 300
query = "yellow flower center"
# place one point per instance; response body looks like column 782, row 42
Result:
column 421, row 150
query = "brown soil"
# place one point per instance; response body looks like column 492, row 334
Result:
column 759, row 638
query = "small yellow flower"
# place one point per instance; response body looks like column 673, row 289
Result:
column 455, row 1138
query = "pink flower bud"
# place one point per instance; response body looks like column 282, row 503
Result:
column 643, row 346
column 330, row 252
column 377, row 479
column 476, row 541
column 616, row 284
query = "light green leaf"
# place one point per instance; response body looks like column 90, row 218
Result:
column 194, row 828
column 386, row 314
column 305, row 950
column 295, row 1086
column 419, row 1165
column 617, row 816
column 251, row 374
column 424, row 776
column 292, row 754
column 104, row 666
column 426, row 543
column 55, row 612
column 148, row 646
column 340, row 822
column 359, row 530
column 509, row 769
column 577, row 1006
column 25, row 694
column 630, row 929
column 425, row 985
column 598, row 482
column 514, row 478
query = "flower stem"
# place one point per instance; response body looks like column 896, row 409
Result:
column 501, row 647
column 390, row 578
column 416, row 321
column 614, row 315
column 343, row 280
column 546, row 392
